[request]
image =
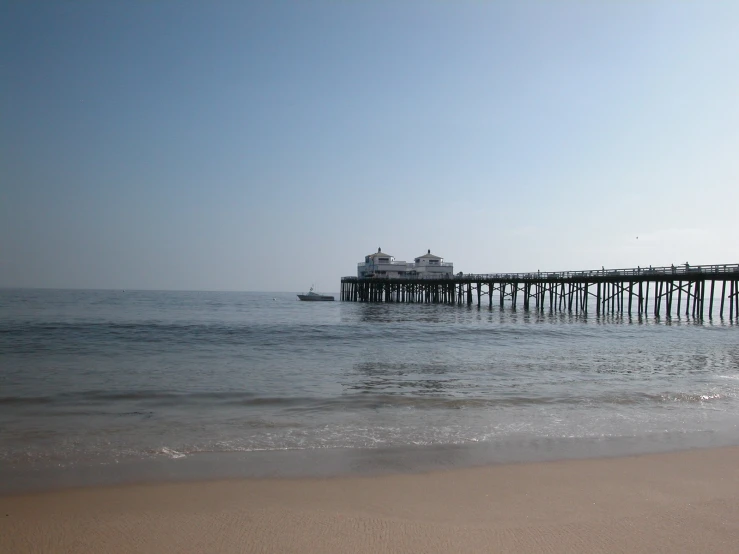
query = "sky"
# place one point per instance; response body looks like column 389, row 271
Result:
column 268, row 146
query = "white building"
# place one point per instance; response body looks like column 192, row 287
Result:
column 427, row 266
column 432, row 266
column 380, row 264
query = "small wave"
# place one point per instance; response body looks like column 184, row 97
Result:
column 684, row 397
column 97, row 334
column 25, row 400
column 102, row 396
column 145, row 415
column 144, row 403
column 170, row 453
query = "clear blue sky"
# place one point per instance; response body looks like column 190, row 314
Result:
column 269, row 145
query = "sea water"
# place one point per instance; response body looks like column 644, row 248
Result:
column 220, row 383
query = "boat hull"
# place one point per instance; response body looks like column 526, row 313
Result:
column 315, row 298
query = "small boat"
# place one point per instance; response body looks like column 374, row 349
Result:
column 315, row 297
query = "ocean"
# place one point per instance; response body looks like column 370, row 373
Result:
column 119, row 386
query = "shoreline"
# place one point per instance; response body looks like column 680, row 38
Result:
column 684, row 501
column 172, row 467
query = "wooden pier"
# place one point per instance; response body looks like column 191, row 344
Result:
column 695, row 291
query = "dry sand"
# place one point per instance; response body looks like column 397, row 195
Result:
column 677, row 502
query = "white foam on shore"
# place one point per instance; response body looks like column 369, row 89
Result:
column 171, row 453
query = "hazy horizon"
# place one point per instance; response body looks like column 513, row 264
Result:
column 266, row 147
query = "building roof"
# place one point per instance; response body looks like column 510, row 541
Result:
column 379, row 254
column 429, row 256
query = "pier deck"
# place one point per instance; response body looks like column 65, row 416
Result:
column 696, row 291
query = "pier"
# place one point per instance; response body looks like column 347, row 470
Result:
column 695, row 291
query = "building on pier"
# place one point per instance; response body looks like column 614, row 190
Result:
column 379, row 264
column 384, row 266
column 432, row 266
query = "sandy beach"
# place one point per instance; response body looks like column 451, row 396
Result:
column 676, row 502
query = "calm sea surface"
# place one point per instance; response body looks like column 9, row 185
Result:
column 93, row 379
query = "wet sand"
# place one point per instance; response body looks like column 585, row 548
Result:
column 675, row 502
